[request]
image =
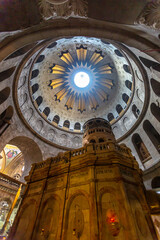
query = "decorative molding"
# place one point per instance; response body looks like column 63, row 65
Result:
column 63, row 8
column 150, row 16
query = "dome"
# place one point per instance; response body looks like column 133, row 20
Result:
column 54, row 91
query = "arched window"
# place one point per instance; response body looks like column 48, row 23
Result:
column 110, row 117
column 5, row 118
column 35, row 73
column 127, row 68
column 92, row 141
column 4, row 94
column 46, row 111
column 119, row 108
column 148, row 63
column 39, row 100
column 118, row 53
column 128, row 84
column 77, row 126
column 155, row 86
column 40, row 58
column 56, row 119
column 35, row 87
column 152, row 134
column 101, row 140
column 140, row 147
column 66, row 124
column 155, row 110
column 135, row 111
column 21, row 51
column 6, row 74
column 52, row 45
column 155, row 182
column 125, row 97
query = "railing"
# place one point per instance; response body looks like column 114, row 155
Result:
column 90, row 148
column 11, row 181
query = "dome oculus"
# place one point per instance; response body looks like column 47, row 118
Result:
column 81, row 79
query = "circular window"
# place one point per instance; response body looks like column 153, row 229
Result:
column 81, row 79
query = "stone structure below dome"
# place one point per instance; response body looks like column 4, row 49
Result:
column 97, row 130
column 94, row 192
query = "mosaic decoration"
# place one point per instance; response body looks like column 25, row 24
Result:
column 10, row 152
column 98, row 71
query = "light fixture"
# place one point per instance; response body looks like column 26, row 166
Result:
column 81, row 79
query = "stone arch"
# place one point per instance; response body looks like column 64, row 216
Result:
column 155, row 86
column 40, row 59
column 124, row 35
column 25, row 220
column 51, row 134
column 34, row 73
column 49, row 219
column 126, row 123
column 119, row 108
column 66, row 124
column 149, row 63
column 125, row 98
column 155, row 110
column 92, row 141
column 30, row 150
column 56, row 119
column 78, row 206
column 109, row 200
column 115, row 130
column 135, row 111
column 35, row 88
column 118, row 53
column 5, row 119
column 4, row 94
column 101, row 140
column 46, row 111
column 76, row 141
column 22, row 81
column 39, row 100
column 23, row 99
column 128, row 84
column 136, row 205
column 155, row 183
column 110, row 117
column 140, row 147
column 28, row 114
column 140, row 95
column 127, row 68
column 77, row 126
column 6, row 73
column 152, row 134
column 52, row 45
column 21, row 51
column 63, row 139
column 39, row 125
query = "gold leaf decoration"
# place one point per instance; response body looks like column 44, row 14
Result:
column 62, row 79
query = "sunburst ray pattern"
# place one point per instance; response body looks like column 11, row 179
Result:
column 95, row 65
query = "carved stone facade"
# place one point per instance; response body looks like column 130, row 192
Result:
column 150, row 16
column 63, row 8
column 95, row 192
